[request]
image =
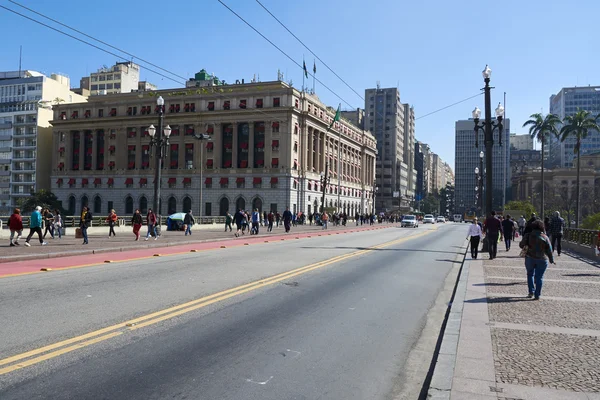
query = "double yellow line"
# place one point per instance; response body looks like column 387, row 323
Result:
column 38, row 355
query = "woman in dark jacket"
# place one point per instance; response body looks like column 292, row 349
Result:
column 539, row 251
column 136, row 222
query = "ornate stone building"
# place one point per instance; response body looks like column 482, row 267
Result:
column 270, row 143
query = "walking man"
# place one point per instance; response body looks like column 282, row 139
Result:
column 475, row 236
column 522, row 221
column 508, row 228
column 287, row 219
column 188, row 221
column 84, row 223
column 228, row 219
column 35, row 226
column 49, row 222
column 270, row 218
column 492, row 228
column 255, row 221
column 112, row 220
column 556, row 231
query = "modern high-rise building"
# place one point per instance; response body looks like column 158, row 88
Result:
column 123, row 77
column 392, row 124
column 566, row 102
column 467, row 158
column 26, row 100
column 521, row 142
column 357, row 117
column 422, row 163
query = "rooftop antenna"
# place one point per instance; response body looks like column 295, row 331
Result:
column 20, row 57
column 378, row 85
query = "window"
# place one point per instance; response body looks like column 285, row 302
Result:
column 226, row 105
column 276, row 102
column 207, row 210
column 211, row 106
column 94, row 87
column 242, row 104
column 100, row 113
column 296, row 103
column 241, row 183
column 259, row 103
column 117, row 86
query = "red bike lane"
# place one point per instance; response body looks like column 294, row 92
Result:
column 45, row 265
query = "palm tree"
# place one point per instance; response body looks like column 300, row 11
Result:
column 578, row 126
column 541, row 128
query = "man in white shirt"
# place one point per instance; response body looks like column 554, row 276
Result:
column 475, row 235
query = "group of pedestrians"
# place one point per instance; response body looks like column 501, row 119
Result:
column 538, row 239
column 252, row 221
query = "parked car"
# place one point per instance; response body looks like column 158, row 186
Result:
column 409, row 221
column 440, row 218
column 428, row 219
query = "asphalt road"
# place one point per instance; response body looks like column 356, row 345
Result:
column 340, row 329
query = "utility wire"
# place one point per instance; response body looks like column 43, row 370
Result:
column 83, row 41
column 284, row 53
column 97, row 40
column 451, row 105
column 307, row 48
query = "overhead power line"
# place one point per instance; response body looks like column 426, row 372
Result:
column 307, row 48
column 448, row 106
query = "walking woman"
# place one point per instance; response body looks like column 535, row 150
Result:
column 112, row 220
column 136, row 222
column 475, row 235
column 58, row 223
column 538, row 251
column 15, row 224
column 84, row 223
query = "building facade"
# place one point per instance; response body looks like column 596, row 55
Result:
column 467, row 158
column 25, row 133
column 521, row 142
column 524, row 159
column 123, row 77
column 423, row 156
column 566, row 102
column 269, row 145
column 357, row 117
column 392, row 124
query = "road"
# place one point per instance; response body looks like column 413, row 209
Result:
column 330, row 317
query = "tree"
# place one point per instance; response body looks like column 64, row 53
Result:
column 578, row 127
column 591, row 221
column 42, row 198
column 541, row 128
column 430, row 204
column 523, row 206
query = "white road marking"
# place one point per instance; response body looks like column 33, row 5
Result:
column 259, row 383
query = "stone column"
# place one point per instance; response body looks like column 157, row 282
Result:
column 323, row 147
column 94, row 149
column 310, row 148
column 234, row 150
column 217, row 153
column 251, row 144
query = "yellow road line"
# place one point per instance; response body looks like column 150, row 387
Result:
column 171, row 312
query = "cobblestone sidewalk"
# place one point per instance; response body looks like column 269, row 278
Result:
column 513, row 347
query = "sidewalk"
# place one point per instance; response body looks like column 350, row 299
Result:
column 498, row 344
column 69, row 246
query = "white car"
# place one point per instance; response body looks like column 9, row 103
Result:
column 440, row 218
column 409, row 221
column 428, row 219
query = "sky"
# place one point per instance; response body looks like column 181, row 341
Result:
column 433, row 51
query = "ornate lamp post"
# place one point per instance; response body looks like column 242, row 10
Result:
column 160, row 143
column 324, row 182
column 488, row 127
column 479, row 176
column 201, row 137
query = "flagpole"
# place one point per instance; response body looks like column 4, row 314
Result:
column 314, row 73
column 339, row 169
column 303, row 72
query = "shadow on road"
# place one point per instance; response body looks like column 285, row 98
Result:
column 500, row 284
column 451, row 261
column 386, row 249
column 597, row 275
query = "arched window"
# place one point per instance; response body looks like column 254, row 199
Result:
column 97, row 205
column 257, row 203
column 143, row 205
column 84, row 201
column 223, row 206
column 72, row 202
column 187, row 204
column 172, row 205
column 240, row 203
column 129, row 205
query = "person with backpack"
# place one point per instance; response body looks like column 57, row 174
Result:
column 255, row 221
column 15, row 224
column 188, row 221
column 84, row 223
column 538, row 251
column 112, row 220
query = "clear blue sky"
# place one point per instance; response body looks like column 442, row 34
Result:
column 434, row 51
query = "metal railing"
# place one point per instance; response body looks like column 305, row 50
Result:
column 583, row 237
column 73, row 221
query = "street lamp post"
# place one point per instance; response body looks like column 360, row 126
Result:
column 479, row 176
column 324, row 182
column 161, row 145
column 488, row 127
column 201, row 137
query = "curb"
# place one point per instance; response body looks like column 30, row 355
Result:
column 444, row 358
column 140, row 246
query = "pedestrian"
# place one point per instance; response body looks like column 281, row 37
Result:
column 356, row 218
column 515, row 230
column 507, row 230
column 15, row 224
column 239, row 218
column 265, row 218
column 84, row 223
column 228, row 219
column 112, row 220
column 287, row 219
column 136, row 222
column 255, row 221
column 492, row 230
column 151, row 223
column 522, row 221
column 475, row 235
column 35, row 226
column 49, row 223
column 58, row 223
column 529, row 222
column 277, row 218
column 324, row 219
column 188, row 221
column 310, row 218
column 538, row 250
column 556, row 231
column 270, row 218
